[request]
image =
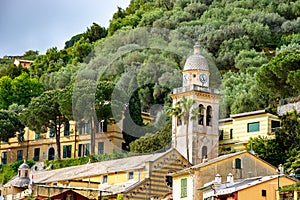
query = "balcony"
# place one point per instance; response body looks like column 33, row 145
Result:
column 195, row 88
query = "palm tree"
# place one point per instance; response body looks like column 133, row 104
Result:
column 183, row 110
column 176, row 112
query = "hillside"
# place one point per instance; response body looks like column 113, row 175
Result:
column 133, row 65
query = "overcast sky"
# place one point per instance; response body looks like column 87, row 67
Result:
column 42, row 24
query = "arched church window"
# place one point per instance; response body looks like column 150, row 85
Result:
column 208, row 116
column 204, row 152
column 179, row 121
column 238, row 163
column 201, row 115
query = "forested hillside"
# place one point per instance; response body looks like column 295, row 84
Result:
column 133, row 65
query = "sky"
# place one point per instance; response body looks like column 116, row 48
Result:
column 42, row 24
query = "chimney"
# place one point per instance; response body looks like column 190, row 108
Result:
column 229, row 178
column 218, row 178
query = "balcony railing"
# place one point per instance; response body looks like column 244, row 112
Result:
column 195, row 88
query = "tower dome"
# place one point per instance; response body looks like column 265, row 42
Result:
column 24, row 166
column 196, row 61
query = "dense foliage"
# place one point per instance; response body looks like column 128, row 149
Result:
column 133, row 65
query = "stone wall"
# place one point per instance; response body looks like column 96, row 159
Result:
column 283, row 109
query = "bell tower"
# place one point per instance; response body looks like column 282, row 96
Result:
column 203, row 130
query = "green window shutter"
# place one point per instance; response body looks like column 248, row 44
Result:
column 238, row 163
column 100, row 147
column 69, row 150
column 51, row 133
column 64, row 151
column 253, row 127
column 67, row 129
column 37, row 135
column 80, row 150
column 87, row 146
column 184, row 187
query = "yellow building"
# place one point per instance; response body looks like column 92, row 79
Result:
column 236, row 131
column 241, row 165
column 75, row 142
column 137, row 177
column 258, row 188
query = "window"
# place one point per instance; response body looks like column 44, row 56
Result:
column 274, row 125
column 105, row 179
column 51, row 153
column 19, row 155
column 231, row 133
column 67, row 150
column 79, row 127
column 36, row 155
column 208, row 116
column 67, row 129
column 84, row 150
column 264, row 193
column 201, row 115
column 253, row 127
column 36, row 135
column 21, row 134
column 70, row 197
column 179, row 121
column 51, row 132
column 100, row 147
column 130, row 175
column 183, row 187
column 88, row 128
column 204, row 152
column 221, row 134
column 238, row 163
column 4, row 158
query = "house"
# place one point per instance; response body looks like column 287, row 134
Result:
column 75, row 142
column 236, row 130
column 24, row 63
column 241, row 165
column 258, row 188
column 291, row 191
column 136, row 177
column 75, row 139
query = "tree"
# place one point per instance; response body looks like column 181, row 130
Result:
column 187, row 113
column 276, row 77
column 250, row 58
column 9, row 124
column 6, row 92
column 153, row 142
column 95, row 32
column 24, row 88
column 84, row 105
column 289, row 135
column 103, row 100
column 30, row 55
column 73, row 40
column 43, row 113
column 268, row 150
column 241, row 93
column 176, row 112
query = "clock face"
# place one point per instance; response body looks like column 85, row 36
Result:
column 203, row 78
column 186, row 78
